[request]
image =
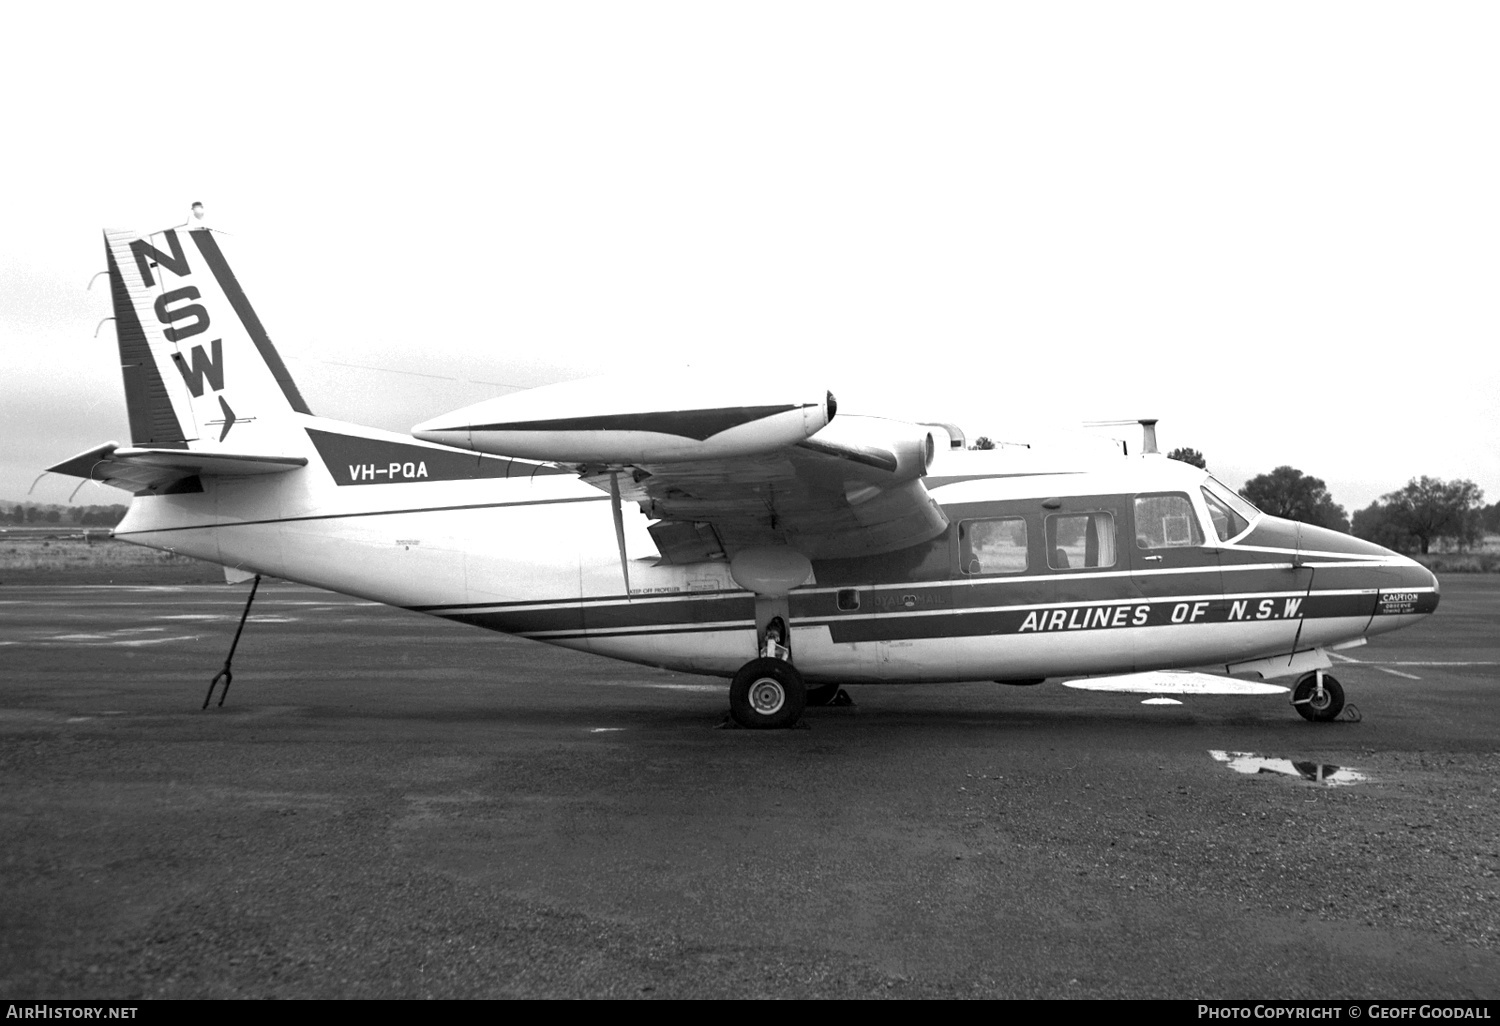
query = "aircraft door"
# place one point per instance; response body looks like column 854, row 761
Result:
column 1178, row 578
column 1082, row 589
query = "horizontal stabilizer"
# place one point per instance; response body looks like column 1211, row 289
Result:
column 1175, row 682
column 155, row 470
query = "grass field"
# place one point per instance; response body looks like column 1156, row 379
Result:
column 1483, row 560
column 69, row 555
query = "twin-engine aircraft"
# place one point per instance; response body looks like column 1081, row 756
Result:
column 751, row 531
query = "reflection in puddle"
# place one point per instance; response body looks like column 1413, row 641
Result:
column 1317, row 772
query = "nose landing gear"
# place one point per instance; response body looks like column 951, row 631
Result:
column 1318, row 697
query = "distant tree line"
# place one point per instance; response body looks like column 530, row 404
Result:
column 83, row 516
column 1427, row 511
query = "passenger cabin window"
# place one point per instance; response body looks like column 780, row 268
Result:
column 1079, row 540
column 992, row 546
column 1166, row 522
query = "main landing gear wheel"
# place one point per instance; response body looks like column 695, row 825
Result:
column 1313, row 706
column 767, row 694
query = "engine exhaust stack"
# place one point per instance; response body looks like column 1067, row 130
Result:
column 1148, row 433
column 1148, row 436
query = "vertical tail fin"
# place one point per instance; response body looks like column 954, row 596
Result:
column 200, row 371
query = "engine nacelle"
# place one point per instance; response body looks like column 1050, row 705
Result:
column 621, row 419
column 894, row 450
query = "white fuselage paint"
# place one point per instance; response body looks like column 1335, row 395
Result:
column 549, row 541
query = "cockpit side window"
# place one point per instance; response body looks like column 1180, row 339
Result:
column 1230, row 512
column 1227, row 523
column 1166, row 522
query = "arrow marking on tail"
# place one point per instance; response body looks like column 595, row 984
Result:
column 228, row 418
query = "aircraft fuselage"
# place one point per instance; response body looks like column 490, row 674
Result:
column 1038, row 575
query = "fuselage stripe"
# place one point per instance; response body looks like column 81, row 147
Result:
column 735, row 611
column 368, row 513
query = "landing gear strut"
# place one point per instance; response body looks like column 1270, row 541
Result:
column 768, row 693
column 1318, row 697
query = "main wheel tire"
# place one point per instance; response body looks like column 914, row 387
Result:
column 1319, row 709
column 822, row 694
column 767, row 694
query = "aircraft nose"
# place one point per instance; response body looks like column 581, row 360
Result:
column 1407, row 586
column 1432, row 582
column 1413, row 574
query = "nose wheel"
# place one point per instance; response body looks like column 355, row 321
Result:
column 1321, row 704
column 767, row 694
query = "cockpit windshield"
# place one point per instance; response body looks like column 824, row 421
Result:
column 1229, row 511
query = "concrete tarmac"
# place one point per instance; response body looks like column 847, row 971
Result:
column 394, row 806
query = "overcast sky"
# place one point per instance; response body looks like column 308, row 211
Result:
column 1274, row 226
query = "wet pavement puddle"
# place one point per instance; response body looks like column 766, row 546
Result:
column 1314, row 772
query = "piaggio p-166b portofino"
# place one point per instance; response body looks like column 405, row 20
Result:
column 738, row 528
